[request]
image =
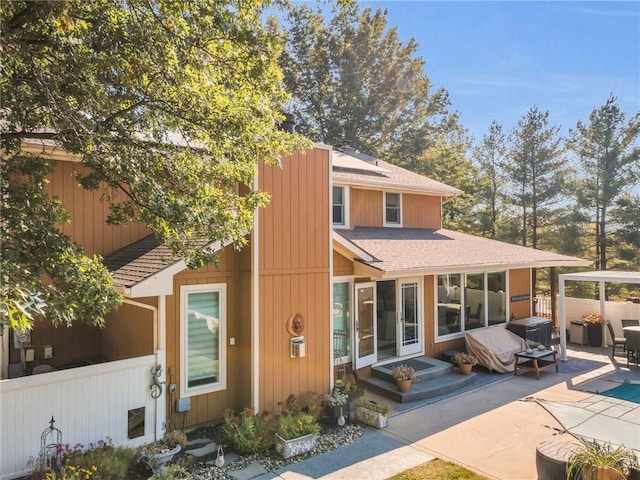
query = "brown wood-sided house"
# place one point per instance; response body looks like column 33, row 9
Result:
column 348, row 263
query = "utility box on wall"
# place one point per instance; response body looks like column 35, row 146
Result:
column 296, row 347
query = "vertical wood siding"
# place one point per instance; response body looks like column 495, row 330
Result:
column 420, row 211
column 89, row 212
column 210, row 407
column 294, row 276
column 365, row 208
column 129, row 331
column 520, row 284
column 342, row 266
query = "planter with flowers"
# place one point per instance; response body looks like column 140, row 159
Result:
column 465, row 362
column 375, row 414
column 158, row 454
column 296, row 428
column 338, row 406
column 593, row 323
column 403, row 375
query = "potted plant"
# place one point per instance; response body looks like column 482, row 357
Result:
column 601, row 462
column 338, row 405
column 465, row 362
column 403, row 375
column 375, row 414
column 296, row 428
column 158, row 454
column 593, row 322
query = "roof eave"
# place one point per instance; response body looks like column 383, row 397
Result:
column 398, row 186
column 424, row 271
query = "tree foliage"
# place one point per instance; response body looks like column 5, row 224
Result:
column 352, row 78
column 490, row 156
column 171, row 103
column 609, row 154
column 536, row 172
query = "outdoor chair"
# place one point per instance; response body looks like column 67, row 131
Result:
column 633, row 347
column 478, row 311
column 617, row 341
column 629, row 322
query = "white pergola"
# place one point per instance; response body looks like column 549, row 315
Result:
column 602, row 277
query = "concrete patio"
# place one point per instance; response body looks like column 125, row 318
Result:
column 493, row 430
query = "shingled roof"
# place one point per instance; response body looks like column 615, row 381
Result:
column 139, row 261
column 357, row 169
column 409, row 251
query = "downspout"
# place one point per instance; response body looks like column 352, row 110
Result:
column 255, row 308
column 159, row 348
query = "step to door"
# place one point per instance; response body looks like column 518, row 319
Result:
column 433, row 378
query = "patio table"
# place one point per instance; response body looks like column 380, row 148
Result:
column 537, row 360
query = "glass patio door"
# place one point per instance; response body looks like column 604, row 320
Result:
column 366, row 350
column 410, row 336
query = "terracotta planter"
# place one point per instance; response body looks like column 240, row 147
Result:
column 296, row 446
column 403, row 385
column 602, row 473
column 465, row 368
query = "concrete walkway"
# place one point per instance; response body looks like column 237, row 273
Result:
column 493, row 430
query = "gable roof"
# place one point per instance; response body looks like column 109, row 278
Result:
column 422, row 251
column 353, row 168
column 146, row 268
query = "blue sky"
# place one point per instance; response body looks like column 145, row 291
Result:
column 498, row 59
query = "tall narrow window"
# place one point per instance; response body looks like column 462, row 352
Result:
column 339, row 217
column 203, row 338
column 392, row 209
column 342, row 319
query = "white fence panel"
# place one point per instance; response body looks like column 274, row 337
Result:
column 89, row 404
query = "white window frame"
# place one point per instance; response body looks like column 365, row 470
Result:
column 221, row 384
column 345, row 206
column 350, row 282
column 464, row 301
column 386, row 222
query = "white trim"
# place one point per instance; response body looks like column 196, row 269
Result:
column 345, row 206
column 4, row 352
column 385, row 222
column 350, row 281
column 255, row 307
column 352, row 248
column 161, row 283
column 221, row 384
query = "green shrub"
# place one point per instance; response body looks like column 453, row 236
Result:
column 103, row 459
column 247, row 432
column 172, row 472
column 296, row 424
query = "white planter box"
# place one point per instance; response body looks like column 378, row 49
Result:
column 371, row 418
column 296, row 446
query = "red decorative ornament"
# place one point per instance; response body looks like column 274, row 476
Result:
column 295, row 325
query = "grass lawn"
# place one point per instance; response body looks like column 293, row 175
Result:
column 438, row 470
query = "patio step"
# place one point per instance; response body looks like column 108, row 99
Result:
column 433, row 378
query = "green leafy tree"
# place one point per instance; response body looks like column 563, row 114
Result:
column 178, row 124
column 608, row 151
column 490, row 155
column 351, row 78
column 626, row 244
column 536, row 172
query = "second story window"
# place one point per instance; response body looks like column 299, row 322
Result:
column 339, row 206
column 392, row 209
